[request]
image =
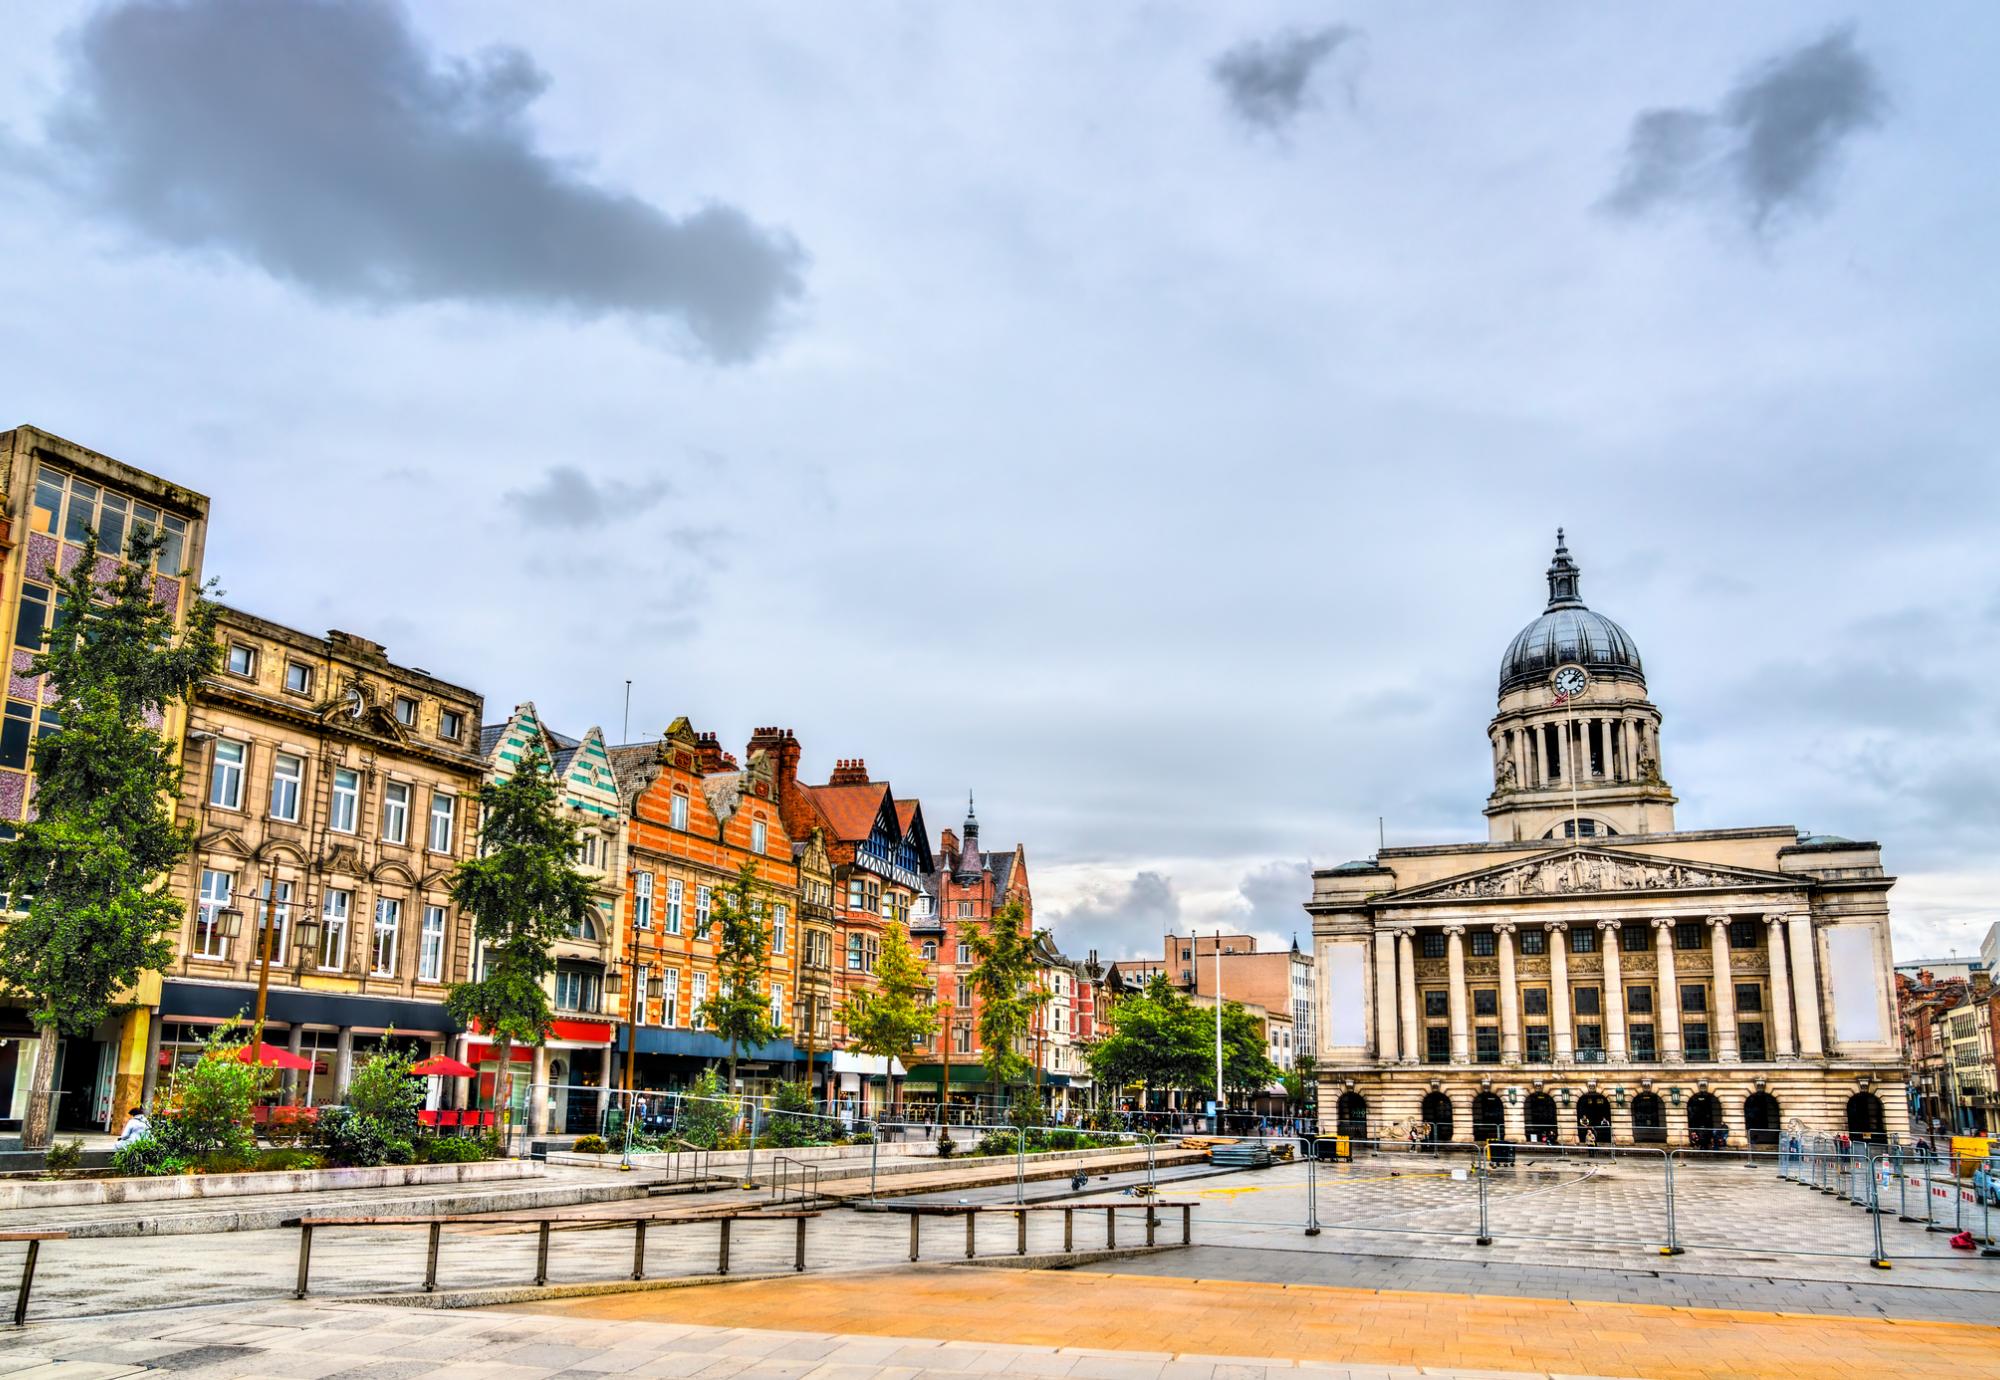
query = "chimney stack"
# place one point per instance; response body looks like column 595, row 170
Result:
column 709, row 756
column 849, row 771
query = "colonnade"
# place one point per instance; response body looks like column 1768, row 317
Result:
column 1623, row 739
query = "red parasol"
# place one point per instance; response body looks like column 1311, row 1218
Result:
column 270, row 1056
column 442, row 1065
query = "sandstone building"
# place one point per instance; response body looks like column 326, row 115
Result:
column 1590, row 963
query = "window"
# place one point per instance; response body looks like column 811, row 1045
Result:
column 777, row 1005
column 780, row 915
column 1694, row 997
column 225, row 778
column 930, row 950
column 396, row 812
column 759, row 836
column 346, row 805
column 1537, row 1051
column 388, row 922
column 298, row 678
column 1437, row 1044
column 641, row 978
column 701, row 909
column 274, row 909
column 697, row 999
column 1485, row 1002
column 1482, row 943
column 853, row 953
column 583, row 928
column 1535, row 1001
column 1749, row 996
column 288, row 774
column 48, row 501
column 1582, row 939
column 1589, row 1043
column 1687, row 934
column 1586, row 1001
column 1644, row 1048
column 451, row 724
column 578, row 989
column 961, row 1039
column 1694, row 1041
column 642, row 900
column 674, row 894
column 334, row 909
column 1639, row 1000
column 430, row 954
column 242, row 660
column 1742, row 934
column 670, row 998
column 1486, row 1047
column 1634, row 938
column 1534, row 942
column 965, row 910
column 1437, row 1004
column 444, row 821
column 33, row 617
column 1750, row 1039
column 209, row 940
column 406, row 711
column 678, row 818
column 1434, row 943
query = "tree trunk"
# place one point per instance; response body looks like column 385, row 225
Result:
column 38, row 1126
column 503, row 1092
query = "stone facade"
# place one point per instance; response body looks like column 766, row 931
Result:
column 332, row 792
column 1591, row 964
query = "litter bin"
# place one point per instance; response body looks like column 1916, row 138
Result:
column 1334, row 1148
column 1500, row 1153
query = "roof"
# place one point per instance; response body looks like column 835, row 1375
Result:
column 850, row 810
column 490, row 736
column 906, row 810
column 1568, row 632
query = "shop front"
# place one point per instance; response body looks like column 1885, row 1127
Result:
column 561, row 1087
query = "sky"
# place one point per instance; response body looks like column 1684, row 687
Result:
column 1152, row 417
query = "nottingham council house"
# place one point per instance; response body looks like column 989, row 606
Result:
column 1590, row 964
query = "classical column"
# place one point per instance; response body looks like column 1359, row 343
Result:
column 295, row 1045
column 1385, row 996
column 1406, row 971
column 1614, row 992
column 1781, row 989
column 1559, row 990
column 1668, row 998
column 1510, row 998
column 1725, row 989
column 1561, row 764
column 1805, row 987
column 1455, row 966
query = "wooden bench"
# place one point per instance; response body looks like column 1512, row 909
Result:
column 971, row 1212
column 34, row 1240
column 544, row 1225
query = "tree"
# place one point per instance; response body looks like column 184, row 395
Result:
column 740, row 1012
column 1246, row 1059
column 888, row 1019
column 523, row 893
column 1004, row 979
column 87, row 868
column 1159, row 1039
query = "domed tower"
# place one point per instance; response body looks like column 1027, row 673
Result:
column 1576, row 743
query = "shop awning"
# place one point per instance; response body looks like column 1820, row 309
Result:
column 703, row 1044
column 181, row 1000
column 868, row 1065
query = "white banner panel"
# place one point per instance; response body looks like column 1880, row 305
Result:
column 1346, row 995
column 1857, row 993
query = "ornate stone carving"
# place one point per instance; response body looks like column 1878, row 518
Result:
column 1587, row 872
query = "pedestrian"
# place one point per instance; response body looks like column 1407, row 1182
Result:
column 137, row 1127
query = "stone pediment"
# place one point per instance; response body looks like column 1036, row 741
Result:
column 223, row 841
column 1590, row 872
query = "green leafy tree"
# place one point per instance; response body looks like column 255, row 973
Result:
column 523, row 894
column 1246, row 1060
column 892, row 1016
column 1158, row 1039
column 87, row 868
column 740, row 1012
column 1004, row 978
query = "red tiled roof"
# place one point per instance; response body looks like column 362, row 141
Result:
column 850, row 810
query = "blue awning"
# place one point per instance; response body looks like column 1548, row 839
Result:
column 703, row 1044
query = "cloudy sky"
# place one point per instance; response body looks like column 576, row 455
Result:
column 1153, row 416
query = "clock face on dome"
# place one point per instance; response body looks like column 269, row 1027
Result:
column 1569, row 681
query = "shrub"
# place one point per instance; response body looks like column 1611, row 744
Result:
column 946, row 1146
column 399, row 1152
column 207, row 1110
column 147, row 1157
column 63, row 1156
column 449, row 1150
column 285, row 1159
column 793, row 1120
column 706, row 1113
column 384, row 1089
column 352, row 1139
column 591, row 1145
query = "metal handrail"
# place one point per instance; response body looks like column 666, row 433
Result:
column 785, row 1169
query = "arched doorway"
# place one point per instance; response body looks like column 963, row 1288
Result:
column 557, row 1093
column 1489, row 1117
column 1704, row 1116
column 1593, row 1118
column 1649, row 1120
column 1350, row 1116
column 1760, row 1121
column 1437, row 1111
column 1541, row 1117
column 1864, row 1115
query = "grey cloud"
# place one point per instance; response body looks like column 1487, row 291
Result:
column 1275, row 896
column 569, row 499
column 1268, row 82
column 1128, row 921
column 323, row 143
column 1769, row 147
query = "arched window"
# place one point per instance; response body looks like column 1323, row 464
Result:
column 1540, row 1117
column 1489, row 1115
column 1351, row 1116
column 1581, row 828
column 1649, row 1120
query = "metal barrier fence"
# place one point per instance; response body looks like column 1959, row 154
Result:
column 1017, row 1140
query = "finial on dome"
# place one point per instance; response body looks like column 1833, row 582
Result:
column 1563, row 578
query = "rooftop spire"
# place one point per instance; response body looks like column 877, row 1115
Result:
column 968, row 848
column 1563, row 577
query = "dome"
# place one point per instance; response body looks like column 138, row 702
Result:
column 1568, row 632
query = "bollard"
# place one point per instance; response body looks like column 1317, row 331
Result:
column 1312, row 1189
column 1152, row 1225
column 542, row 1255
column 1485, row 1237
column 1069, row 1230
column 916, row 1218
column 1110, row 1228
column 799, row 1254
column 722, row 1266
column 28, row 1282
column 431, row 1260
column 639, row 1248
column 305, row 1257
column 1020, row 1233
column 1187, row 1225
column 971, row 1228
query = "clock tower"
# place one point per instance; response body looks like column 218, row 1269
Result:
column 1576, row 743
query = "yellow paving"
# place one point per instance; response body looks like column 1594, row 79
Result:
column 1316, row 1323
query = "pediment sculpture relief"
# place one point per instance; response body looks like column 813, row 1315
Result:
column 1584, row 872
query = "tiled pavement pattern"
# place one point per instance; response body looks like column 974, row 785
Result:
column 1178, row 1329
